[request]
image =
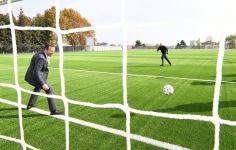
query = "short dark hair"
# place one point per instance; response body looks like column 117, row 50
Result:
column 47, row 45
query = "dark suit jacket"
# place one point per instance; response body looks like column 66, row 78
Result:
column 37, row 73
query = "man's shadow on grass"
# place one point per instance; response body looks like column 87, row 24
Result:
column 14, row 110
column 142, row 66
column 228, row 76
column 137, row 66
column 193, row 107
column 198, row 107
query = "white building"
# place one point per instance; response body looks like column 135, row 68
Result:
column 195, row 43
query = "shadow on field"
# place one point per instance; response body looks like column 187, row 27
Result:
column 142, row 66
column 6, row 109
column 229, row 81
column 14, row 110
column 209, row 83
column 229, row 61
column 228, row 76
column 23, row 116
column 198, row 107
column 120, row 115
column 202, row 83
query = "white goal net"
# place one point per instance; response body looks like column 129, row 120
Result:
column 215, row 119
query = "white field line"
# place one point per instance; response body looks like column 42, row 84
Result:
column 138, row 75
column 98, row 127
column 150, row 76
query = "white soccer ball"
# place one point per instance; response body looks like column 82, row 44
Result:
column 168, row 89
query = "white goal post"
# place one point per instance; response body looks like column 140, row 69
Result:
column 4, row 2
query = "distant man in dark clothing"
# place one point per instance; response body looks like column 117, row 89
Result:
column 164, row 51
column 37, row 75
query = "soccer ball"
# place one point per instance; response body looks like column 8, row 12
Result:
column 168, row 89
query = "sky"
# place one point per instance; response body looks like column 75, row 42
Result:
column 150, row 21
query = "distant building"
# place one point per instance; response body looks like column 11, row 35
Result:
column 130, row 47
column 210, row 45
column 150, row 46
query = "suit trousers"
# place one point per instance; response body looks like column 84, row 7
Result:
column 51, row 101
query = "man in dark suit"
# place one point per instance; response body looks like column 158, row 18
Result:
column 164, row 51
column 37, row 75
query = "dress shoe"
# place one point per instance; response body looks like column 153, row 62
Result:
column 57, row 112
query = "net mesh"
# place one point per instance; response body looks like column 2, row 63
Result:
column 215, row 119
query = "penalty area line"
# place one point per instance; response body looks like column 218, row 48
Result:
column 137, row 75
column 150, row 76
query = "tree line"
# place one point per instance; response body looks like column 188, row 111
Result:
column 230, row 43
column 28, row 40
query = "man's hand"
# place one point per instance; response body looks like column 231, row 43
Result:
column 45, row 87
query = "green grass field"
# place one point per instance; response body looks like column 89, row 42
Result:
column 97, row 77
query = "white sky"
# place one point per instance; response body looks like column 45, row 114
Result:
column 166, row 21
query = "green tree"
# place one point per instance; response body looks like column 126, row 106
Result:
column 39, row 37
column 181, row 44
column 30, row 40
column 23, row 20
column 38, row 20
column 178, row 46
column 23, row 38
column 5, row 35
column 231, row 41
column 138, row 43
column 5, row 40
column 50, row 17
column 70, row 18
column 4, row 19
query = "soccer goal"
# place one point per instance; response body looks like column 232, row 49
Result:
column 125, row 108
